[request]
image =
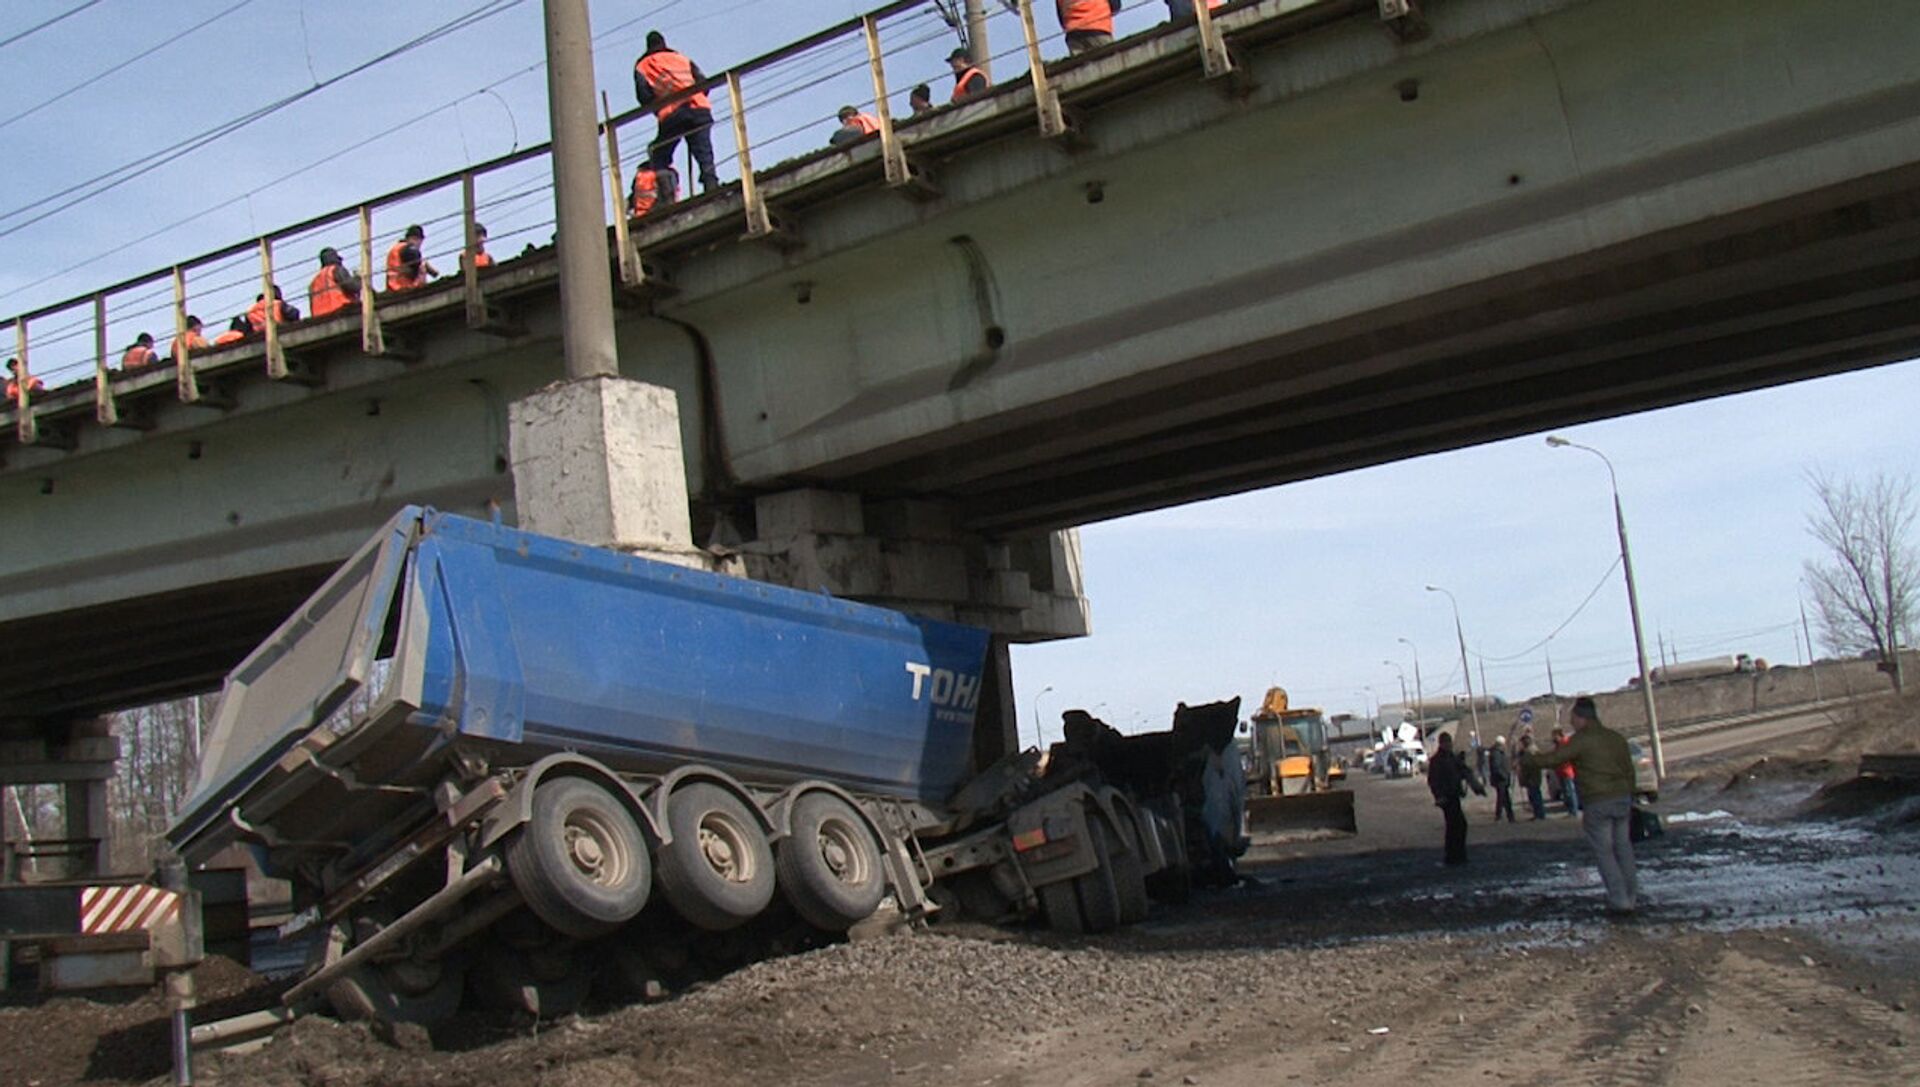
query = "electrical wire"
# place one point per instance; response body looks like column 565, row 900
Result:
column 1528, row 651
column 38, row 27
column 120, row 66
column 120, row 175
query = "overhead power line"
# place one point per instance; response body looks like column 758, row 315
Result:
column 1597, row 586
column 119, row 66
column 38, row 27
column 109, row 180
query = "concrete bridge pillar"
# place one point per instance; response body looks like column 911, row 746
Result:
column 80, row 757
column 598, row 460
column 912, row 555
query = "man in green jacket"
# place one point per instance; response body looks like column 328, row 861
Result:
column 1604, row 766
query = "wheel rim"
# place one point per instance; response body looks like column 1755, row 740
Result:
column 723, row 845
column 840, row 851
column 596, row 850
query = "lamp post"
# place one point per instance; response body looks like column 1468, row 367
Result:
column 1039, row 733
column 1633, row 607
column 1403, row 680
column 1419, row 691
column 1465, row 673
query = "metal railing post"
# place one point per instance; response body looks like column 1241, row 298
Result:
column 372, row 342
column 759, row 223
column 276, row 360
column 186, row 383
column 1053, row 122
column 469, row 268
column 622, row 234
column 105, row 411
column 1214, row 59
column 28, row 430
column 891, row 153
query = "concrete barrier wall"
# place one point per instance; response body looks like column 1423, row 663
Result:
column 1689, row 700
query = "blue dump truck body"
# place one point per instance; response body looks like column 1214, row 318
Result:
column 519, row 639
column 497, row 761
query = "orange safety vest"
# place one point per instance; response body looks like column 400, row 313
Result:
column 1086, row 15
column 483, row 260
column 193, row 340
column 13, row 388
column 257, row 314
column 227, row 337
column 397, row 277
column 325, row 295
column 960, row 92
column 136, row 357
column 669, row 73
column 645, row 194
column 867, row 125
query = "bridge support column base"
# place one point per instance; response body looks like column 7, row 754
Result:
column 912, row 555
column 599, row 461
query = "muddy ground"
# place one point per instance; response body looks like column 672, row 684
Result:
column 1777, row 947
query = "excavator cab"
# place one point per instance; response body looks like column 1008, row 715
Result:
column 1290, row 779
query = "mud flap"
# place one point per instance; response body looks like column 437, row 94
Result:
column 1270, row 817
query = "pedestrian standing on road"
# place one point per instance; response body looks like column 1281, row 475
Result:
column 1531, row 776
column 1500, row 779
column 1605, row 763
column 1569, row 779
column 1448, row 777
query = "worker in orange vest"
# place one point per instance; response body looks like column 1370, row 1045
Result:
column 854, row 127
column 332, row 288
column 236, row 331
column 653, row 187
column 282, row 313
column 1088, row 23
column 482, row 259
column 34, row 385
column 191, row 340
column 660, row 76
column 1181, row 11
column 407, row 267
column 139, row 353
column 968, row 81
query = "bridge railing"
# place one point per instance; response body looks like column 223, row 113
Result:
column 778, row 108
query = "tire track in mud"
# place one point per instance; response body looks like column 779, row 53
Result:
column 1776, row 1019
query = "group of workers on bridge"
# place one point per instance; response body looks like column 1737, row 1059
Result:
column 662, row 78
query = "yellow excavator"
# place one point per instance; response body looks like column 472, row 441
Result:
column 1293, row 782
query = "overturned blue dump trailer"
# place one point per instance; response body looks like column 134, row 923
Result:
column 500, row 763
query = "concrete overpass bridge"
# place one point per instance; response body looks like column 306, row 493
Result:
column 1315, row 235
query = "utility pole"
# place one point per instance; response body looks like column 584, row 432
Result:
column 977, row 51
column 1813, row 662
column 586, row 293
column 1466, row 670
column 1419, row 693
column 1552, row 691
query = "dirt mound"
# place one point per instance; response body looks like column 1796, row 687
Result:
column 113, row 1037
column 1875, row 726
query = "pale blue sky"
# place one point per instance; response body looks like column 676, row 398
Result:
column 1307, row 585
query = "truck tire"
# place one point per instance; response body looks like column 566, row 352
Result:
column 1130, row 875
column 717, row 872
column 828, row 865
column 580, row 861
column 424, row 993
column 1173, row 884
column 543, row 983
column 1062, row 908
column 1099, row 896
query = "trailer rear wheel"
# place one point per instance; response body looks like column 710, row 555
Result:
column 1174, row 883
column 401, row 992
column 828, row 864
column 1097, row 891
column 1129, row 873
column 1062, row 908
column 717, row 872
column 580, row 862
column 543, row 982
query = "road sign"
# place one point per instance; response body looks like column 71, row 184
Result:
column 1526, row 715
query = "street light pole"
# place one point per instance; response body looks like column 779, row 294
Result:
column 1395, row 665
column 1039, row 733
column 1465, row 672
column 1419, row 691
column 1633, row 607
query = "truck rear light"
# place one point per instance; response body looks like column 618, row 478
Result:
column 1029, row 839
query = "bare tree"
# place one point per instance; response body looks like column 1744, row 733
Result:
column 1865, row 585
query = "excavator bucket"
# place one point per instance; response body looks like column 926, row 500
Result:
column 1276, row 818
